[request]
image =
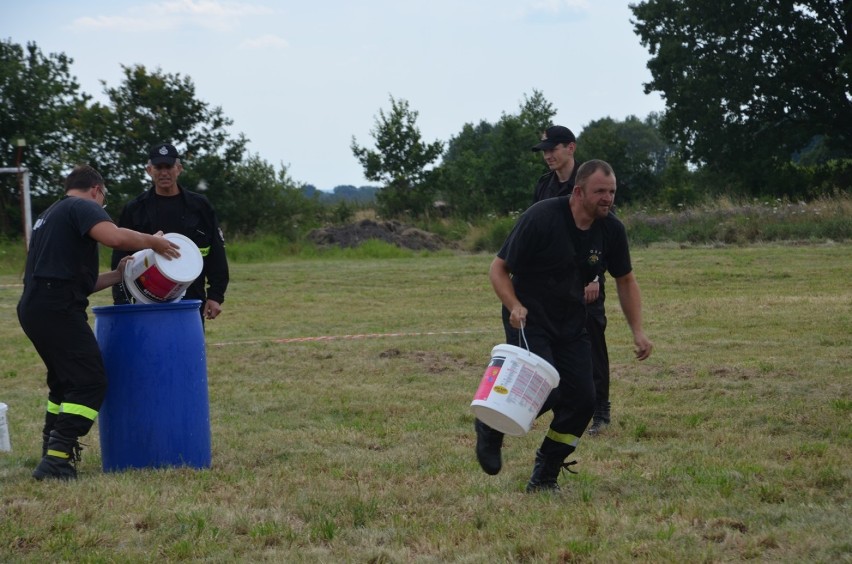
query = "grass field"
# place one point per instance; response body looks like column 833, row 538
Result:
column 731, row 443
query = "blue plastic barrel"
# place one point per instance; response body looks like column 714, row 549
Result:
column 156, row 411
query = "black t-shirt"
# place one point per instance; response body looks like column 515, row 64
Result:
column 170, row 212
column 551, row 261
column 60, row 247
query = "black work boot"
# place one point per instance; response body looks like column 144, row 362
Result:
column 488, row 444
column 60, row 460
column 600, row 420
column 547, row 467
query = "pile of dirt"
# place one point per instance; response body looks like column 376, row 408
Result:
column 393, row 232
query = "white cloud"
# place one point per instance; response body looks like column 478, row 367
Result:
column 268, row 41
column 119, row 23
column 540, row 10
column 209, row 9
column 559, row 6
column 169, row 15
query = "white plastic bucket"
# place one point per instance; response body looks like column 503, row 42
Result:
column 513, row 388
column 5, row 443
column 153, row 279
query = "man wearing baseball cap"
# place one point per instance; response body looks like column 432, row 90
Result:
column 557, row 146
column 171, row 208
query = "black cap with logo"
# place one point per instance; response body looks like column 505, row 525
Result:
column 163, row 153
column 554, row 136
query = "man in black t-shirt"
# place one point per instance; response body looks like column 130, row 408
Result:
column 554, row 250
column 61, row 272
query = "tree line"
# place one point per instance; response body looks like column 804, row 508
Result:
column 61, row 126
column 758, row 104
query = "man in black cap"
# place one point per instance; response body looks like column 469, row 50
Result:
column 557, row 146
column 171, row 208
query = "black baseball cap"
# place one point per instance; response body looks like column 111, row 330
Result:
column 163, row 153
column 554, row 136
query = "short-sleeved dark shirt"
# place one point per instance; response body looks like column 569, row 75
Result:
column 551, row 261
column 60, row 247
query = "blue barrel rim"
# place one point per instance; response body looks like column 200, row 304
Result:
column 127, row 308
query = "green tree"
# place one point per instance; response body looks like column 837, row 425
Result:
column 252, row 197
column 678, row 188
column 401, row 161
column 636, row 150
column 536, row 112
column 153, row 107
column 513, row 168
column 41, row 103
column 489, row 168
column 267, row 201
column 462, row 180
column 750, row 83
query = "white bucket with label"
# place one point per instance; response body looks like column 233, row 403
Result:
column 5, row 443
column 512, row 390
column 154, row 279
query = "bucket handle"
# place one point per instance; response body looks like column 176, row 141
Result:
column 522, row 335
column 123, row 287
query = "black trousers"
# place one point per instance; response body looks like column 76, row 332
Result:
column 596, row 327
column 53, row 316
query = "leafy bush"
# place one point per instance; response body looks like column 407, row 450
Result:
column 723, row 222
column 743, row 223
column 490, row 236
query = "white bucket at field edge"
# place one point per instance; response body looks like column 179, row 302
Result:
column 153, row 279
column 512, row 390
column 5, row 443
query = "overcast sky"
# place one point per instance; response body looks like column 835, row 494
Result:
column 300, row 79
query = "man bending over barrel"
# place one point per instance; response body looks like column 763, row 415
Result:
column 61, row 272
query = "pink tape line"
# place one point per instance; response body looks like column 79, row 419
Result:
column 345, row 337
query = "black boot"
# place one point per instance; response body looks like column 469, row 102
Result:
column 600, row 420
column 548, row 462
column 60, row 460
column 488, row 444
